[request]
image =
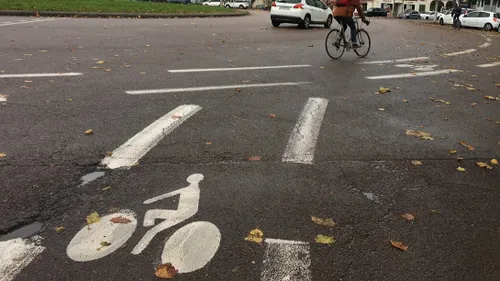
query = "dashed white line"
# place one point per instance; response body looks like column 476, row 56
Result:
column 286, row 261
column 237, row 68
column 23, row 22
column 395, row 60
column 415, row 74
column 485, row 45
column 211, row 88
column 15, row 255
column 300, row 148
column 489, row 64
column 31, row 75
column 131, row 151
column 460, row 53
column 3, row 98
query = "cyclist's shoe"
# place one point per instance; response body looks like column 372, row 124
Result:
column 355, row 46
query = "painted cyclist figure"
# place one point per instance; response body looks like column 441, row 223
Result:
column 343, row 13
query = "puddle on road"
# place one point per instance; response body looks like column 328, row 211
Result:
column 23, row 232
column 91, row 177
column 371, row 196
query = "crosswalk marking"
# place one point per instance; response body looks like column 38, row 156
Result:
column 286, row 260
column 415, row 74
column 300, row 148
column 33, row 75
column 15, row 255
column 237, row 68
column 497, row 63
column 394, row 60
column 460, row 53
column 135, row 148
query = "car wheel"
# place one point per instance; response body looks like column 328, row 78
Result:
column 488, row 27
column 427, row 18
column 227, row 6
column 306, row 22
column 275, row 23
column 328, row 22
column 441, row 22
column 241, row 6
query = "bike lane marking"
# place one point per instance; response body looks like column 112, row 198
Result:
column 15, row 255
column 497, row 63
column 135, row 148
column 300, row 148
column 34, row 75
column 415, row 74
column 395, row 60
column 237, row 68
column 460, row 53
column 286, row 260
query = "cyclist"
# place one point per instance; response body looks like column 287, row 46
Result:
column 343, row 13
column 456, row 12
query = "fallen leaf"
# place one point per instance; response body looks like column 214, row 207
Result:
column 483, row 165
column 497, row 122
column 494, row 162
column 25, row 87
column 323, row 239
column 408, row 216
column 254, row 158
column 107, row 69
column 176, row 117
column 120, row 219
column 452, row 151
column 473, row 104
column 109, row 153
column 100, row 62
column 460, row 158
column 325, row 222
column 209, row 142
column 238, row 90
column 104, row 244
column 491, row 98
column 106, row 188
column 405, row 100
column 166, row 271
column 89, row 132
column 2, row 155
column 440, row 100
column 59, row 229
column 497, row 85
column 147, row 45
column 383, row 90
column 113, row 210
column 93, row 218
column 468, row 146
column 470, row 89
column 272, row 115
column 416, row 162
column 399, row 245
column 460, row 169
column 255, row 236
column 422, row 135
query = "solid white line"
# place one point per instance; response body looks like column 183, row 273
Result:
column 136, row 147
column 6, row 22
column 281, row 241
column 15, row 255
column 237, row 68
column 485, row 45
column 40, row 75
column 415, row 74
column 286, row 262
column 209, row 88
column 3, row 98
column 394, row 61
column 33, row 21
column 460, row 53
column 300, row 148
column 489, row 64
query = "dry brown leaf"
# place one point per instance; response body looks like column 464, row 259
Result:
column 109, row 153
column 473, row 104
column 416, row 162
column 468, row 146
column 272, row 115
column 59, row 229
column 440, row 100
column 89, row 132
column 238, row 90
column 491, row 98
column 176, row 117
column 497, row 85
column 166, row 271
column 209, row 142
column 422, row 135
column 399, row 245
column 254, row 158
column 408, row 216
column 255, row 235
column 120, row 219
column 325, row 222
column 2, row 155
column 383, row 90
column 107, row 69
column 483, row 165
column 494, row 162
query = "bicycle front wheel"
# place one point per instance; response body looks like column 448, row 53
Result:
column 364, row 42
column 334, row 44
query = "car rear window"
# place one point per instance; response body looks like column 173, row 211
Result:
column 497, row 15
column 289, row 1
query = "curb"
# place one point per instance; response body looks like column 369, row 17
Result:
column 116, row 15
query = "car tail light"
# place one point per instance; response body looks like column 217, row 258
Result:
column 274, row 4
column 495, row 19
column 299, row 6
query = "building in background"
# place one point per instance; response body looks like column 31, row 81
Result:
column 417, row 5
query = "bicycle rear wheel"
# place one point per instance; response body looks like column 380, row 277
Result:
column 335, row 44
column 365, row 43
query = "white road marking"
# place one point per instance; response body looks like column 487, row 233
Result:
column 15, row 255
column 6, row 22
column 488, row 39
column 286, row 261
column 23, row 22
column 136, row 147
column 89, row 243
column 31, row 75
column 394, row 61
column 188, row 206
column 485, row 45
column 489, row 64
column 415, row 74
column 300, row 148
column 237, row 68
column 460, row 53
column 211, row 88
column 3, row 98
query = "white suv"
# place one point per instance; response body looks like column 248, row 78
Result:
column 242, row 4
column 301, row 12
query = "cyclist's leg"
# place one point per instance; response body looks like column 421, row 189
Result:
column 352, row 27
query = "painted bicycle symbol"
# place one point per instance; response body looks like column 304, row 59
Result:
column 188, row 249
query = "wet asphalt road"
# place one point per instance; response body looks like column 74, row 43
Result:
column 362, row 175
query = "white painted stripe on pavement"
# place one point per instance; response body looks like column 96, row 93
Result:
column 286, row 261
column 6, row 22
column 281, row 241
column 415, row 74
column 27, row 75
column 460, row 53
column 485, row 45
column 211, row 88
column 237, row 68
column 394, row 61
column 3, row 98
column 136, row 147
column 300, row 148
column 489, row 64
column 15, row 255
column 488, row 39
column 33, row 21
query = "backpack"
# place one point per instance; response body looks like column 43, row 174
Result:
column 342, row 3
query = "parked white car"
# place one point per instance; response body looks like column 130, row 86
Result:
column 428, row 15
column 447, row 18
column 213, row 3
column 242, row 4
column 301, row 12
column 481, row 19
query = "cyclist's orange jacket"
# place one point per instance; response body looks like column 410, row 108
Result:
column 345, row 11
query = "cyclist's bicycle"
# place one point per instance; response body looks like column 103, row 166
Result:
column 336, row 43
column 456, row 23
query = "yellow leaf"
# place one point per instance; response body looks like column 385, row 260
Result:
column 109, row 153
column 106, row 188
column 494, row 162
column 325, row 222
column 422, row 135
column 255, row 236
column 405, row 100
column 166, row 271
column 483, row 165
column 440, row 100
column 383, row 90
column 471, row 89
column 416, row 162
column 100, row 62
column 93, row 218
column 2, row 155
column 399, row 245
column 452, row 151
column 491, row 98
column 89, row 132
column 460, row 169
column 59, row 229
column 468, row 146
column 323, row 239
